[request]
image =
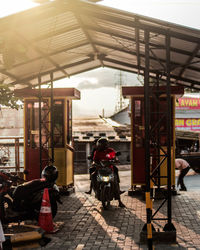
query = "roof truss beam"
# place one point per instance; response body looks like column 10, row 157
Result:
column 24, row 80
column 64, row 49
column 132, row 39
column 43, row 55
column 138, row 24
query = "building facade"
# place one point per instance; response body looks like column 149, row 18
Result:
column 86, row 130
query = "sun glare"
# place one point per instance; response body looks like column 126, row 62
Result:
column 9, row 7
column 183, row 12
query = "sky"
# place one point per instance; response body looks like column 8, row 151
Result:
column 183, row 12
column 98, row 87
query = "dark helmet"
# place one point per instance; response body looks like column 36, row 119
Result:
column 94, row 143
column 102, row 143
column 50, row 173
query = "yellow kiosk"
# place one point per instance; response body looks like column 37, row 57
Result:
column 38, row 117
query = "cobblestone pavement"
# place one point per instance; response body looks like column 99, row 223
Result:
column 87, row 226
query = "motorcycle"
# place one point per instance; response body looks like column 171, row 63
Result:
column 106, row 183
column 23, row 202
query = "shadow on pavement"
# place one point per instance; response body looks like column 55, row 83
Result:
column 87, row 226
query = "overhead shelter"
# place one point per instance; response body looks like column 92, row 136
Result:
column 48, row 132
column 66, row 37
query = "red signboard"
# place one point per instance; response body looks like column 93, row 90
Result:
column 188, row 123
column 188, row 103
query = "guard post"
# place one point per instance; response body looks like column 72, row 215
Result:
column 55, row 118
column 136, row 95
column 158, row 179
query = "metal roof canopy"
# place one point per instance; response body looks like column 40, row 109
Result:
column 67, row 37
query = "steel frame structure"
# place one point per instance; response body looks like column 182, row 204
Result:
column 88, row 36
column 44, row 124
column 152, row 133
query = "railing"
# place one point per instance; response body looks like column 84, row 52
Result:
column 11, row 154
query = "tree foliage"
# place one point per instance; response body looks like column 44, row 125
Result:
column 8, row 98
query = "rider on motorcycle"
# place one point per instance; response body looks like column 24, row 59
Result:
column 102, row 153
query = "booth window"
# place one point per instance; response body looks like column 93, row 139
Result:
column 58, row 123
column 138, row 123
column 33, row 124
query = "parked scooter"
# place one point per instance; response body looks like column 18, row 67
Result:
column 106, row 182
column 23, row 202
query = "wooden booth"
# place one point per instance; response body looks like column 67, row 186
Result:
column 157, row 113
column 42, row 117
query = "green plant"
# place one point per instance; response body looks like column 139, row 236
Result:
column 8, row 98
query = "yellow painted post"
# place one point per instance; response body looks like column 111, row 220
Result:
column 149, row 205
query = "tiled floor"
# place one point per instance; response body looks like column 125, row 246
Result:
column 88, row 226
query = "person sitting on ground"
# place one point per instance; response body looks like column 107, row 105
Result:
column 183, row 166
column 101, row 153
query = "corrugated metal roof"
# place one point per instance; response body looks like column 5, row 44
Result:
column 90, row 128
column 67, row 37
column 91, row 125
column 187, row 135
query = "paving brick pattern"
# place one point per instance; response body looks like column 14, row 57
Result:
column 87, row 226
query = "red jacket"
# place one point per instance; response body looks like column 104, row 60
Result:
column 107, row 154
